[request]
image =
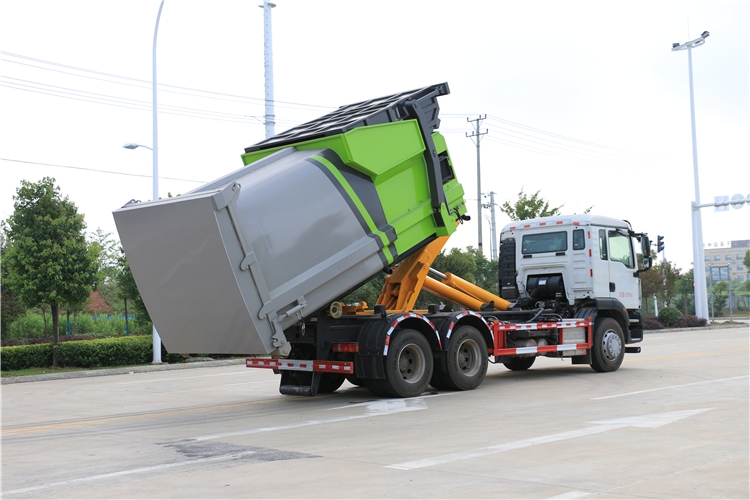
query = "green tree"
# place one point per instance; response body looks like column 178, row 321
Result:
column 128, row 290
column 719, row 296
column 746, row 260
column 11, row 307
column 529, row 207
column 369, row 292
column 107, row 257
column 48, row 258
column 686, row 292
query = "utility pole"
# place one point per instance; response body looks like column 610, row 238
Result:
column 476, row 137
column 269, row 118
column 493, row 227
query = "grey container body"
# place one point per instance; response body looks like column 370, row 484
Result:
column 229, row 266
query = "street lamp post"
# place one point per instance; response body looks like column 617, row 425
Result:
column 155, row 334
column 701, row 304
column 155, row 150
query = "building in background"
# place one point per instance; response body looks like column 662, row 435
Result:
column 725, row 260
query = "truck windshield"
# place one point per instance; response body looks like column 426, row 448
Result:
column 545, row 242
column 619, row 249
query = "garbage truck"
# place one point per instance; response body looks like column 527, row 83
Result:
column 258, row 261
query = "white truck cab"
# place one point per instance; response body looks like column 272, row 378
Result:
column 577, row 265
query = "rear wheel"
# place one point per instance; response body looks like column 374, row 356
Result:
column 408, row 365
column 608, row 349
column 466, row 359
column 519, row 364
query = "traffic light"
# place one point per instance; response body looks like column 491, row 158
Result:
column 659, row 244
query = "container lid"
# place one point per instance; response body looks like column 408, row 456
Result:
column 387, row 109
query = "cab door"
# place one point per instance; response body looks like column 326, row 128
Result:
column 623, row 286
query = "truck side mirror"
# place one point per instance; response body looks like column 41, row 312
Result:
column 646, row 251
column 645, row 246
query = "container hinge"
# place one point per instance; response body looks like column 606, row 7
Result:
column 301, row 304
column 227, row 198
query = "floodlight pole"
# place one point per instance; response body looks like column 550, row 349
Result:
column 699, row 274
column 156, row 338
column 269, row 119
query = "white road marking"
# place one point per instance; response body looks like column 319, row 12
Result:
column 127, row 472
column 391, row 401
column 374, row 409
column 571, row 495
column 670, row 387
column 646, row 421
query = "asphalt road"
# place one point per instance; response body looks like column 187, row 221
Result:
column 671, row 423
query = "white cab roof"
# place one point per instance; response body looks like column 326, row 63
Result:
column 564, row 220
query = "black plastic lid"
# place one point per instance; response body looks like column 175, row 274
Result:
column 381, row 110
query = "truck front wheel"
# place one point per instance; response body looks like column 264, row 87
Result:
column 408, row 365
column 609, row 346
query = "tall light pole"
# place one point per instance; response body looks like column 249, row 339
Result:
column 155, row 150
column 699, row 274
column 269, row 118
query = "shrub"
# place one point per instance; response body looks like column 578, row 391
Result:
column 106, row 352
column 670, row 315
column 689, row 321
column 652, row 324
column 26, row 356
column 28, row 326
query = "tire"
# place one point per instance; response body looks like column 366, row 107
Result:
column 608, row 349
column 466, row 359
column 519, row 364
column 408, row 365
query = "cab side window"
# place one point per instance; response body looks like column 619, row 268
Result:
column 579, row 242
column 603, row 244
column 620, row 250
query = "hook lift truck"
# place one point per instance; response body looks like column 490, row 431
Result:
column 258, row 261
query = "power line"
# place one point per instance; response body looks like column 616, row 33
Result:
column 85, row 96
column 160, row 85
column 101, row 171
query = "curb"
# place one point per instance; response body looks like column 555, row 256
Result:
column 121, row 371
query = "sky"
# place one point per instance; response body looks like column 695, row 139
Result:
column 585, row 101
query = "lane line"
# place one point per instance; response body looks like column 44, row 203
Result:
column 671, row 387
column 652, row 421
column 126, row 472
column 571, row 495
column 501, row 448
column 375, row 408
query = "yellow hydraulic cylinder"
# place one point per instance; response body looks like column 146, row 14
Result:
column 474, row 291
column 451, row 294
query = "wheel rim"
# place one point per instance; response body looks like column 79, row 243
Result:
column 411, row 363
column 611, row 345
column 467, row 357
